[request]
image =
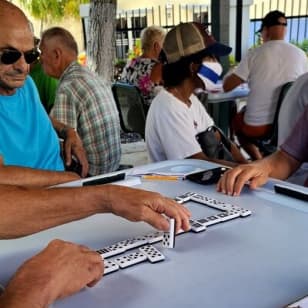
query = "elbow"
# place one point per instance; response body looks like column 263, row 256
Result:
column 227, row 87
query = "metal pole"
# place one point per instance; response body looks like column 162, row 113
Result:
column 238, row 43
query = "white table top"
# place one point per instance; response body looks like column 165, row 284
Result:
column 219, row 96
column 259, row 261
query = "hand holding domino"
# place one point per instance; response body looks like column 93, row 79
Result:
column 169, row 237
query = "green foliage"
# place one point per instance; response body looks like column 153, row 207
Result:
column 48, row 10
column 137, row 51
column 232, row 62
column 302, row 45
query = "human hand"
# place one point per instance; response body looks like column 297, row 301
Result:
column 60, row 270
column 141, row 205
column 73, row 146
column 233, row 180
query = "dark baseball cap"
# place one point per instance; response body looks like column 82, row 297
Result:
column 191, row 38
column 273, row 18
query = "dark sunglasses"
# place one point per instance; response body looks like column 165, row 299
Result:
column 10, row 56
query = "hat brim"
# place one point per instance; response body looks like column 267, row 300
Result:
column 216, row 49
column 219, row 50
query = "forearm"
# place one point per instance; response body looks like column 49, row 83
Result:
column 60, row 127
column 25, row 296
column 202, row 156
column 231, row 81
column 40, row 209
column 21, row 176
column 281, row 165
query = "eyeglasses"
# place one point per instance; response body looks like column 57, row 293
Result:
column 10, row 56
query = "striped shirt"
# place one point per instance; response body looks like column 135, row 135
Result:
column 84, row 102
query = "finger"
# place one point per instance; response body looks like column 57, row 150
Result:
column 241, row 180
column 68, row 153
column 96, row 267
column 84, row 164
column 221, row 185
column 178, row 212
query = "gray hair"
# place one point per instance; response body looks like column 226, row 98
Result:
column 150, row 35
column 64, row 36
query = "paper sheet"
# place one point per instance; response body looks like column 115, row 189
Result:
column 302, row 303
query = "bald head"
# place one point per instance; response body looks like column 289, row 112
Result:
column 10, row 14
column 15, row 35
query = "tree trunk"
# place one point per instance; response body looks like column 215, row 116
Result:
column 101, row 38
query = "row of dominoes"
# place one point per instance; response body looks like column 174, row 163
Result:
column 168, row 239
column 147, row 252
column 229, row 211
column 211, row 202
column 125, row 245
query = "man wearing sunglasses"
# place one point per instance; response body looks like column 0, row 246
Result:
column 62, row 268
column 27, row 137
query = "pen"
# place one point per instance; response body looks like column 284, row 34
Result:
column 162, row 177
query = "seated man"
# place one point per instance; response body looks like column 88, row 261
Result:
column 176, row 115
column 27, row 137
column 280, row 165
column 266, row 69
column 83, row 101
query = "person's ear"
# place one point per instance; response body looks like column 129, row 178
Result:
column 57, row 53
column 193, row 67
column 157, row 47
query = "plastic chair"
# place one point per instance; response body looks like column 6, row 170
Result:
column 130, row 103
column 268, row 145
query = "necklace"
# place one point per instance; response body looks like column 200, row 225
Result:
column 180, row 96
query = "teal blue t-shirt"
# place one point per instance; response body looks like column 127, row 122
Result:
column 27, row 137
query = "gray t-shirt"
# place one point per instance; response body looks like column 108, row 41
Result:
column 296, row 144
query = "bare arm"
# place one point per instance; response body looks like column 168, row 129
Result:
column 279, row 165
column 202, row 156
column 72, row 145
column 231, row 81
column 11, row 175
column 40, row 209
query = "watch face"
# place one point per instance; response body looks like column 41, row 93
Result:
column 207, row 177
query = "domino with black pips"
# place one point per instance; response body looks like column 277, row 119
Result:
column 228, row 215
column 110, row 266
column 153, row 254
column 210, row 220
column 196, row 226
column 245, row 213
column 219, row 204
column 184, row 198
column 134, row 242
column 111, row 250
column 154, row 237
column 130, row 259
column 210, row 202
column 169, row 237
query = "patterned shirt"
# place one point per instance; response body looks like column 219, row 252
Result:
column 138, row 72
column 85, row 102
